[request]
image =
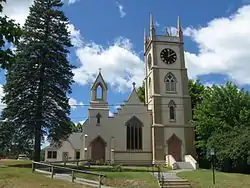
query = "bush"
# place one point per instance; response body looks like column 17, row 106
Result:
column 117, row 168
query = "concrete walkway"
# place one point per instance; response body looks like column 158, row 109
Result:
column 171, row 175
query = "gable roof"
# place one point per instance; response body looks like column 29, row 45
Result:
column 99, row 81
column 74, row 140
column 134, row 98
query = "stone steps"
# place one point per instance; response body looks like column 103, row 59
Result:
column 183, row 165
column 175, row 184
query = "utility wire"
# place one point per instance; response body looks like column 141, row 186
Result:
column 86, row 117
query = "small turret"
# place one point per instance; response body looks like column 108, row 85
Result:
column 179, row 29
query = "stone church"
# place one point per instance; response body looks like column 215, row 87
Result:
column 157, row 131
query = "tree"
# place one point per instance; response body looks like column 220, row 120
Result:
column 196, row 91
column 222, row 122
column 38, row 82
column 77, row 128
column 141, row 92
column 10, row 33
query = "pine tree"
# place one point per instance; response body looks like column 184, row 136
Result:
column 38, row 82
column 10, row 33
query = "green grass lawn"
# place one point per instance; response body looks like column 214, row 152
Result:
column 129, row 176
column 203, row 179
column 17, row 174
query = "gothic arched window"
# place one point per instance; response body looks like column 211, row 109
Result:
column 99, row 92
column 172, row 110
column 149, row 87
column 170, row 82
column 134, row 134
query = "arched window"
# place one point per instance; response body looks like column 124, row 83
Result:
column 134, row 134
column 149, row 87
column 99, row 92
column 172, row 111
column 170, row 82
column 98, row 119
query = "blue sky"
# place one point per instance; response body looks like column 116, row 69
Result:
column 108, row 34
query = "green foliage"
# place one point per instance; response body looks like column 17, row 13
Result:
column 222, row 122
column 38, row 82
column 141, row 92
column 117, row 168
column 77, row 128
column 196, row 91
column 10, row 33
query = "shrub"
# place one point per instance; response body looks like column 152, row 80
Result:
column 117, row 168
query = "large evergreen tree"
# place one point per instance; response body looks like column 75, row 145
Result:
column 10, row 33
column 38, row 82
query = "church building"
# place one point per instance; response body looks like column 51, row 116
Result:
column 157, row 131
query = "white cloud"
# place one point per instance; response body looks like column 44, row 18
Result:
column 157, row 24
column 119, row 63
column 223, row 47
column 75, row 35
column 121, row 9
column 111, row 114
column 72, row 1
column 74, row 103
column 17, row 9
column 2, row 105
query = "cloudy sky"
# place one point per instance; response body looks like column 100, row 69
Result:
column 109, row 35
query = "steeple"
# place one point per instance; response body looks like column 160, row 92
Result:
column 152, row 27
column 99, row 89
column 179, row 29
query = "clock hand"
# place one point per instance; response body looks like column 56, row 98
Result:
column 171, row 54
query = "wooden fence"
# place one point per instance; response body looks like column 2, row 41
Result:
column 73, row 171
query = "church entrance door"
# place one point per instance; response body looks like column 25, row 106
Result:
column 174, row 147
column 98, row 149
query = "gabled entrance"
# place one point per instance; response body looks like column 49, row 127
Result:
column 98, row 149
column 174, row 147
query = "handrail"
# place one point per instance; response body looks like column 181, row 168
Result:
column 70, row 169
column 67, row 161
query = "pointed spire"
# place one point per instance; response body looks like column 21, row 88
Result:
column 151, row 21
column 152, row 27
column 145, row 35
column 179, row 29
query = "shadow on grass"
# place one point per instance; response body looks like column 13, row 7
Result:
column 111, row 169
column 19, row 165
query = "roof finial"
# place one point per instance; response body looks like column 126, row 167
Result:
column 133, row 85
column 100, row 70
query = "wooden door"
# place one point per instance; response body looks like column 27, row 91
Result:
column 98, row 149
column 174, row 147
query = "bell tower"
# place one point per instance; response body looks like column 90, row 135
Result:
column 98, row 105
column 167, row 95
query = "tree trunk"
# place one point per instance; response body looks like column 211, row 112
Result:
column 39, row 116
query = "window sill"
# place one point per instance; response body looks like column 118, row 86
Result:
column 172, row 120
column 171, row 92
column 134, row 150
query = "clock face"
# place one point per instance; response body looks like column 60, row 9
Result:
column 149, row 61
column 168, row 56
